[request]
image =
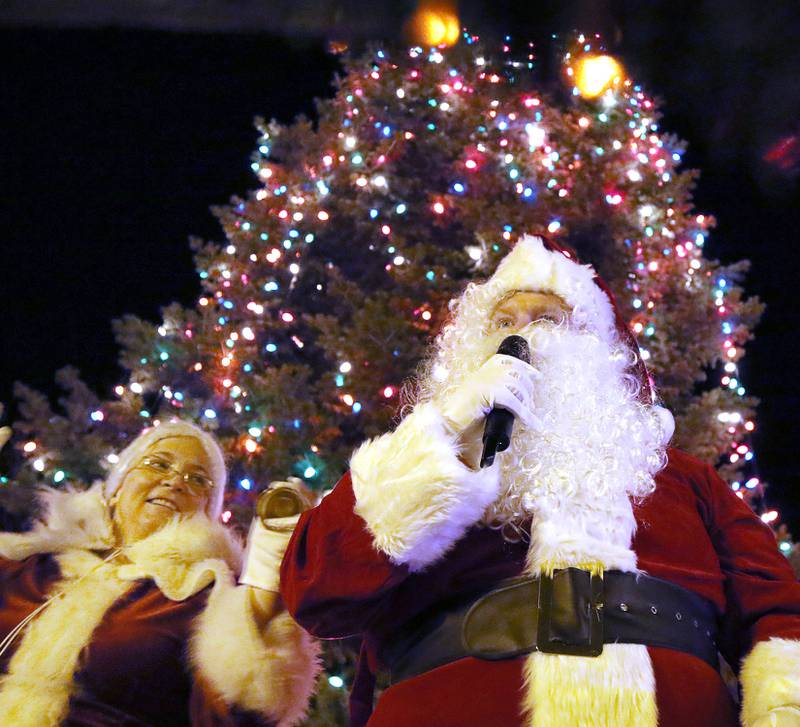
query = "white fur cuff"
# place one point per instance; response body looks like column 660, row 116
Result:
column 416, row 496
column 770, row 680
column 272, row 673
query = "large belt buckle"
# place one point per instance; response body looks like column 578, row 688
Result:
column 570, row 613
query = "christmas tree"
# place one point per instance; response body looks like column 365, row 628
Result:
column 417, row 176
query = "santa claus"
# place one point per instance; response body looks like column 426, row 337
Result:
column 589, row 576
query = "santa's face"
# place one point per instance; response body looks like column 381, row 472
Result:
column 520, row 308
column 595, row 440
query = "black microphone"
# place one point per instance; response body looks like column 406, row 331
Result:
column 500, row 422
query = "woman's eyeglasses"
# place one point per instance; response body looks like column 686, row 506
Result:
column 163, row 467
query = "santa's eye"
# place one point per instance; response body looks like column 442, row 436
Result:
column 555, row 315
column 504, row 323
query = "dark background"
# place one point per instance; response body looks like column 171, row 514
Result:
column 121, row 125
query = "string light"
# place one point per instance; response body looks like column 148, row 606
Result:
column 518, row 142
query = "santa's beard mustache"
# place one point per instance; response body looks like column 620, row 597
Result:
column 594, row 442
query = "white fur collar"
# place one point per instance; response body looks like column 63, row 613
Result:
column 182, row 558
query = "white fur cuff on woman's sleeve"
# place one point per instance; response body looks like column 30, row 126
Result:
column 414, row 493
column 770, row 679
column 271, row 672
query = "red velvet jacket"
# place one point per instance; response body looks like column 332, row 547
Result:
column 136, row 670
column 692, row 531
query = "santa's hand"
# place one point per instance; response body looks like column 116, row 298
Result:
column 5, row 435
column 266, row 545
column 504, row 382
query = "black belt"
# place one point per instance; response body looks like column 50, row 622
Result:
column 573, row 612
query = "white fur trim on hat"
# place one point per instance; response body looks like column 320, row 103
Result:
column 176, row 428
column 531, row 266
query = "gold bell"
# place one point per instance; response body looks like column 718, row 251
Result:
column 283, row 499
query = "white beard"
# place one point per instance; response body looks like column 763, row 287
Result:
column 595, row 449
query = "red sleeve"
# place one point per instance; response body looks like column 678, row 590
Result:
column 332, row 576
column 763, row 595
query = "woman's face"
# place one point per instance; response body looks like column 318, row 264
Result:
column 173, row 477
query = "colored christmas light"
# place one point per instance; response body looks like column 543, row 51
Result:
column 504, row 139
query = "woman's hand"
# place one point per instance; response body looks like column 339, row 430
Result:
column 277, row 512
column 266, row 544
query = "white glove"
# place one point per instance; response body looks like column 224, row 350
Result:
column 503, row 381
column 266, row 545
column 788, row 716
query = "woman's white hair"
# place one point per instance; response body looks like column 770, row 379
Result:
column 131, row 455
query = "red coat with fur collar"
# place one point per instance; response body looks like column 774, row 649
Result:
column 136, row 670
column 161, row 638
column 692, row 531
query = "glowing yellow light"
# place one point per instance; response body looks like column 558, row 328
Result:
column 595, row 74
column 435, row 26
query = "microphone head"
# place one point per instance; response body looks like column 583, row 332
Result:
column 517, row 347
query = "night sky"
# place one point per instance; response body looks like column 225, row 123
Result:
column 115, row 143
